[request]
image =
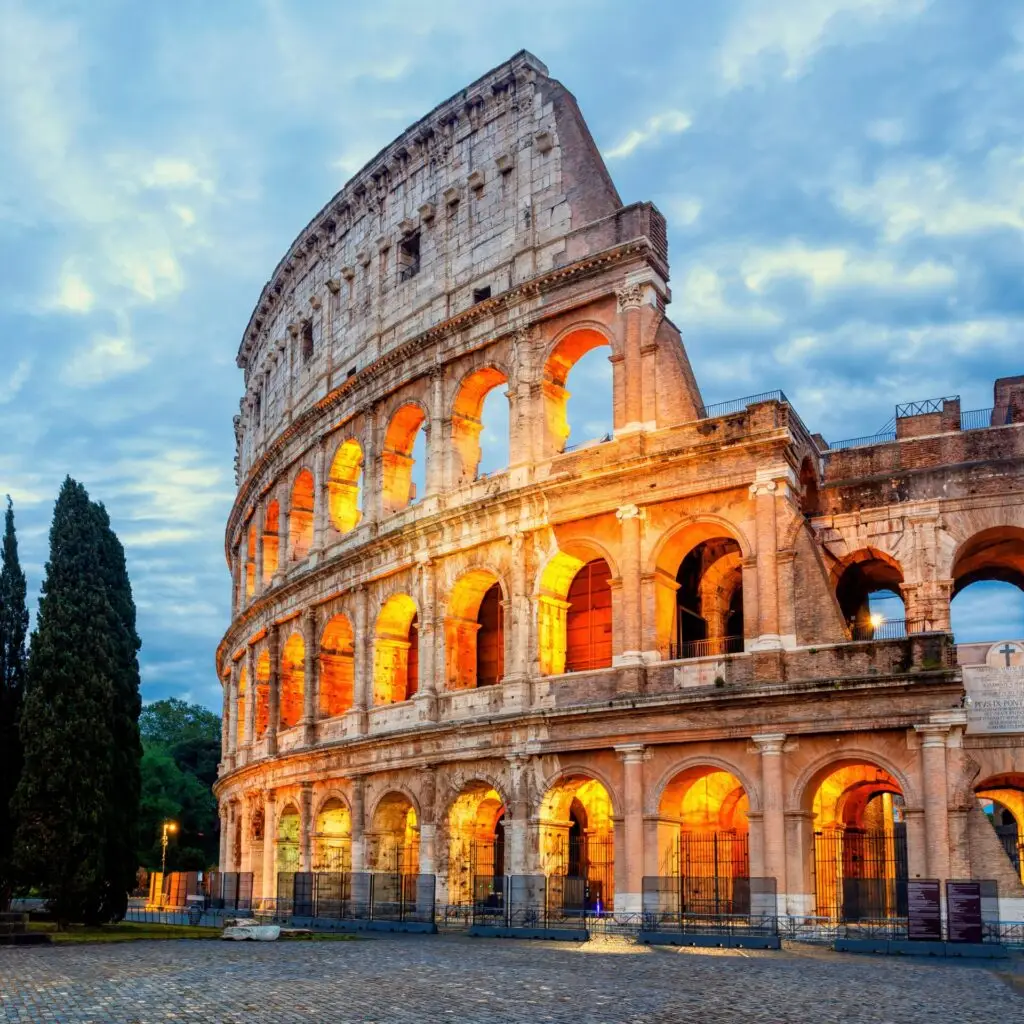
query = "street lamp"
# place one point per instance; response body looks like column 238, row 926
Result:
column 169, row 828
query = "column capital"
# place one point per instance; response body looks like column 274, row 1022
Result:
column 625, row 512
column 933, row 734
column 632, row 753
column 770, row 744
column 631, row 296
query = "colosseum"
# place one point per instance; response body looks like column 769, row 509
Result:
column 651, row 655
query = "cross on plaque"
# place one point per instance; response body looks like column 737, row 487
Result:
column 1006, row 650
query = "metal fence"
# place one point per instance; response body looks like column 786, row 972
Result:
column 750, row 910
column 714, row 646
column 536, row 901
column 862, row 876
column 228, row 890
column 354, row 896
column 738, row 404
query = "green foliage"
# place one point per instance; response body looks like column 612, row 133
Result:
column 76, row 800
column 167, row 722
column 13, row 663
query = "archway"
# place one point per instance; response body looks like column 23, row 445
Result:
column 300, row 516
column 585, row 419
column 475, row 631
column 397, row 459
column 703, row 840
column 396, row 651
column 393, row 843
column 810, row 498
column 1002, row 800
column 574, row 622
column 709, row 600
column 860, row 843
column 344, row 493
column 476, row 390
column 293, row 679
column 262, row 719
column 476, row 844
column 271, row 540
column 332, row 837
column 240, row 708
column 868, row 588
column 988, row 586
column 577, row 844
column 337, row 667
column 288, row 839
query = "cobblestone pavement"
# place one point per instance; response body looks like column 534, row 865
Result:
column 424, row 979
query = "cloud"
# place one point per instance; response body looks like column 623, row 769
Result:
column 103, row 359
column 671, row 122
column 11, row 387
column 73, row 294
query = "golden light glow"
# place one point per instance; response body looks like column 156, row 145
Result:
column 271, row 541
column 397, row 460
column 300, row 516
column 337, row 667
column 393, row 641
column 876, row 620
column 262, row 694
column 394, row 840
column 466, row 420
column 293, row 680
column 563, row 358
column 472, row 821
column 343, row 490
column 461, row 628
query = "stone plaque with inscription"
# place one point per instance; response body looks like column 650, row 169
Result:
column 996, row 698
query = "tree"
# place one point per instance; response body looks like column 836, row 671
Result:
column 13, row 632
column 170, row 721
column 122, row 831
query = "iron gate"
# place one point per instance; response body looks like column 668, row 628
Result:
column 584, row 872
column 861, row 876
column 714, row 873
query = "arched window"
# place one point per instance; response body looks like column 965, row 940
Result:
column 393, row 845
column 293, row 679
column 300, row 516
column 588, row 628
column 250, row 560
column 810, row 500
column 343, row 487
column 709, row 601
column 988, row 586
column 271, row 529
column 474, row 632
column 869, row 595
column 337, row 667
column 398, row 458
column 480, row 425
column 583, row 356
column 240, row 707
column 490, row 640
column 262, row 694
column 396, row 651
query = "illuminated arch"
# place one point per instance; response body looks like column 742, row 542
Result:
column 996, row 553
column 397, row 460
column 240, row 707
column 271, row 540
column 467, row 423
column 293, row 680
column 343, row 486
column 393, row 842
column 300, row 516
column 476, row 839
column 474, row 631
column 287, row 845
column 332, row 836
column 396, row 651
column 262, row 694
column 568, row 349
column 250, row 560
column 861, row 574
column 337, row 667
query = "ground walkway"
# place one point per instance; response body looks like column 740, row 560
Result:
column 427, row 979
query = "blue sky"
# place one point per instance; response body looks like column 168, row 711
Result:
column 843, row 180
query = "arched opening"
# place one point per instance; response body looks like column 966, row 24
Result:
column 300, row 516
column 399, row 458
column 393, row 842
column 988, row 586
column 810, row 499
column 583, row 354
column 271, row 540
column 337, row 667
column 396, row 651
column 332, row 837
column 288, row 839
column 1001, row 799
column 240, row 707
column 476, row 845
column 475, row 632
column 703, row 840
column 262, row 694
column 869, row 595
column 344, row 493
column 293, row 679
column 860, row 843
column 578, row 844
column 250, row 560
column 588, row 620
column 709, row 600
column 479, row 390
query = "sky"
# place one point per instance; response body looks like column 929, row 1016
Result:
column 843, row 182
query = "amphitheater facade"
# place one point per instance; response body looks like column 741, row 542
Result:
column 650, row 655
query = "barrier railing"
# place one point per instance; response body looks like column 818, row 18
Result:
column 705, row 648
column 751, row 909
column 736, row 404
column 354, row 896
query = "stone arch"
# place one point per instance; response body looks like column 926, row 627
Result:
column 250, row 559
column 337, row 666
column 262, row 694
column 293, row 680
column 395, row 650
column 393, row 836
column 466, row 421
column 332, row 792
column 474, row 826
column 300, row 515
column 577, row 768
column 800, row 795
column 855, row 578
column 241, row 705
column 396, row 459
column 565, row 351
column 993, row 553
column 344, row 490
column 475, row 630
column 271, row 540
column 332, row 833
column 654, row 797
column 287, row 837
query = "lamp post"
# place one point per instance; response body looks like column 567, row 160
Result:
column 169, row 827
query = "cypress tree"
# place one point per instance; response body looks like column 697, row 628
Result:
column 13, row 631
column 62, row 802
column 121, row 854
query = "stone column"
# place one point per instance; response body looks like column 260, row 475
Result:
column 630, row 299
column 268, row 892
column 917, row 846
column 283, row 510
column 772, row 806
column 428, row 826
column 274, row 685
column 517, row 820
column 630, row 518
column 358, row 824
column 245, row 852
column 372, row 469
column 435, row 447
column 250, row 696
column 633, row 756
column 320, row 496
column 933, row 775
column 225, row 720
column 224, row 826
column 236, row 590
column 260, row 522
column 231, row 721
column 306, row 827
column 799, row 862
column 362, row 660
column 430, row 643
column 519, row 611
column 764, row 491
column 311, row 677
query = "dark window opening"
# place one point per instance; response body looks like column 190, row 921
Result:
column 307, row 340
column 490, row 640
column 257, row 410
column 351, row 372
column 481, row 294
column 409, row 257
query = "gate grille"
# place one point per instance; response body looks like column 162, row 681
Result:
column 861, row 876
column 714, row 872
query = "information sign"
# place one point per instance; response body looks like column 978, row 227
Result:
column 963, row 907
column 924, row 911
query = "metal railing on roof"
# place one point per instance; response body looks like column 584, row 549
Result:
column 924, row 406
column 862, row 442
column 737, row 404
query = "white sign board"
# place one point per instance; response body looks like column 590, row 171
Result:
column 996, row 699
